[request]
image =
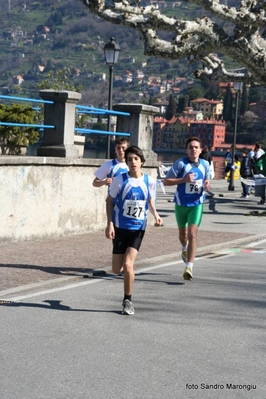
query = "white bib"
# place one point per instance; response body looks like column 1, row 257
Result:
column 134, row 209
column 194, row 187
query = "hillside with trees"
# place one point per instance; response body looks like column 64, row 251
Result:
column 43, row 36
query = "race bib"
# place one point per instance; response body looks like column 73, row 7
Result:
column 194, row 187
column 134, row 209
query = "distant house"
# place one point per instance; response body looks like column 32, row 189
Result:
column 102, row 76
column 40, row 68
column 210, row 131
column 46, row 29
column 138, row 75
column 209, row 108
column 159, row 89
column 154, row 79
column 163, row 132
column 127, row 77
column 17, row 80
column 139, row 96
column 174, row 133
column 190, row 113
column 162, row 106
column 175, row 91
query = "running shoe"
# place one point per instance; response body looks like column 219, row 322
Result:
column 188, row 274
column 184, row 256
column 127, row 307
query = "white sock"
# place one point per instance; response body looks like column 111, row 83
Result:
column 190, row 264
column 184, row 248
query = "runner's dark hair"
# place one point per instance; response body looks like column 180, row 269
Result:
column 133, row 149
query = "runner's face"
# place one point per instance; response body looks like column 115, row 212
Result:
column 120, row 151
column 133, row 162
column 194, row 150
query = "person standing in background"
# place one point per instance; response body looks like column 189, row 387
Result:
column 245, row 172
column 205, row 154
column 228, row 162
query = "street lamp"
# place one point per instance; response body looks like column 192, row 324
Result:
column 111, row 51
column 237, row 88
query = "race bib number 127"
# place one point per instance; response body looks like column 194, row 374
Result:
column 134, row 209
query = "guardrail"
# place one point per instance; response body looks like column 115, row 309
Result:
column 60, row 111
column 57, row 128
column 82, row 109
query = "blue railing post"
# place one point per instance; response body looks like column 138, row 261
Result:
column 59, row 142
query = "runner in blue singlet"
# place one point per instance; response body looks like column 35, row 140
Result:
column 130, row 197
column 191, row 177
column 105, row 174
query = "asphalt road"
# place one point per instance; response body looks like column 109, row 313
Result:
column 198, row 339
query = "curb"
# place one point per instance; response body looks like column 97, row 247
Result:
column 99, row 273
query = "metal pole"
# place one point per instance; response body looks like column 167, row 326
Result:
column 231, row 186
column 110, row 106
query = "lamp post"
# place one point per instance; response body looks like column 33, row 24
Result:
column 111, row 51
column 237, row 88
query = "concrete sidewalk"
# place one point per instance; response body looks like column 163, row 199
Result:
column 228, row 221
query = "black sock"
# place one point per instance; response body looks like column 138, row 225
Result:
column 127, row 297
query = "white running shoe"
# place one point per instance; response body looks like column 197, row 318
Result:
column 127, row 307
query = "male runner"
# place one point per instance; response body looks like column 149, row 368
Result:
column 191, row 176
column 105, row 173
column 127, row 206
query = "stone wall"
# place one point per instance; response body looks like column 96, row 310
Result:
column 43, row 197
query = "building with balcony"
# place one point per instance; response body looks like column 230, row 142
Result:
column 209, row 108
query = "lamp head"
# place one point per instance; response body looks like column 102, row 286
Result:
column 111, row 51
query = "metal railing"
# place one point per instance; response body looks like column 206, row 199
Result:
column 82, row 109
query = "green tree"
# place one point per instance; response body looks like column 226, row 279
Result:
column 228, row 105
column 13, row 137
column 255, row 94
column 171, row 108
column 247, row 122
column 182, row 104
column 244, row 104
column 60, row 80
column 195, row 92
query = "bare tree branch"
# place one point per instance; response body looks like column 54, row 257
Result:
column 236, row 32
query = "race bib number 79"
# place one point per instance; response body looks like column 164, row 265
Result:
column 134, row 209
column 194, row 187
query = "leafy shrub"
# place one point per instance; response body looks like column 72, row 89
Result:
column 13, row 137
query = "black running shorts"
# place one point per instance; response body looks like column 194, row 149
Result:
column 127, row 238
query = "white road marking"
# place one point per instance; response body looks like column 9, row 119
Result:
column 254, row 244
column 97, row 280
column 44, row 292
column 79, row 284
